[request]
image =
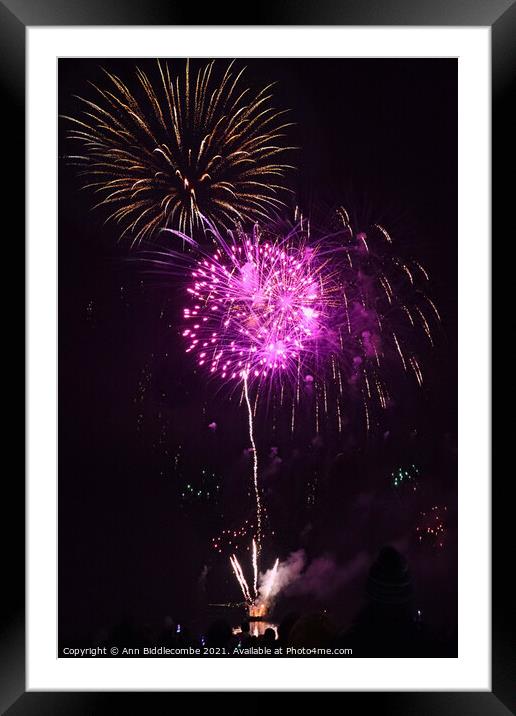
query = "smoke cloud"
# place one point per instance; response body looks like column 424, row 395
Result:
column 324, row 576
column 320, row 578
column 277, row 579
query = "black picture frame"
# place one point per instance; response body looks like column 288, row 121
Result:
column 15, row 17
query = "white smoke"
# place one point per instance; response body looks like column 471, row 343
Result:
column 320, row 578
column 324, row 576
column 275, row 580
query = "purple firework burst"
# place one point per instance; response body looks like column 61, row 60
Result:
column 334, row 320
column 261, row 306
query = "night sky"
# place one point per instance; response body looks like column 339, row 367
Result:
column 379, row 137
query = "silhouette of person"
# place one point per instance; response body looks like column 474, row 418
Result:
column 385, row 625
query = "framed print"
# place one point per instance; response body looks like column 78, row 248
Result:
column 258, row 323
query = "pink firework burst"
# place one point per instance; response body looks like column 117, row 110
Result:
column 260, row 307
column 338, row 320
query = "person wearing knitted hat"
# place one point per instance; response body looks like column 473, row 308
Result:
column 389, row 580
column 385, row 625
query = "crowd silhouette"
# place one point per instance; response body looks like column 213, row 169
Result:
column 386, row 625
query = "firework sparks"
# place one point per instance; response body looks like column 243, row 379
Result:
column 257, row 601
column 259, row 308
column 233, row 539
column 164, row 153
column 432, row 527
column 405, row 476
column 237, row 569
column 293, row 315
column 268, row 312
column 259, row 305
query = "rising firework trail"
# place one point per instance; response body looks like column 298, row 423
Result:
column 167, row 151
column 255, row 480
column 255, row 567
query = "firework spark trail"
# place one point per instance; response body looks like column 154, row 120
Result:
column 259, row 601
column 384, row 232
column 423, row 271
column 400, row 351
column 241, row 579
column 368, row 423
column 255, row 475
column 408, row 314
column 165, row 152
column 255, row 569
column 434, row 308
column 425, row 325
column 416, row 369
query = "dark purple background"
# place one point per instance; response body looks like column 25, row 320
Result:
column 380, row 137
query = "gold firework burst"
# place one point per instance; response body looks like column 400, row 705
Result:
column 163, row 155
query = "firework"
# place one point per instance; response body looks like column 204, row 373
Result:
column 260, row 309
column 432, row 527
column 206, row 488
column 233, row 539
column 389, row 321
column 405, row 476
column 270, row 313
column 258, row 597
column 163, row 153
column 336, row 319
column 237, row 569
